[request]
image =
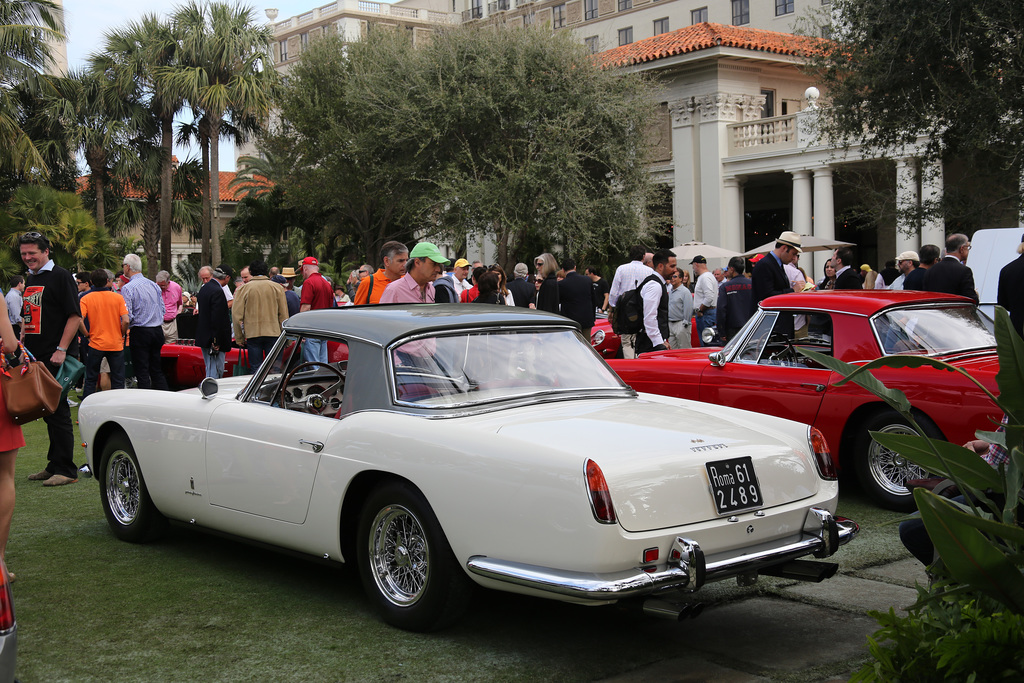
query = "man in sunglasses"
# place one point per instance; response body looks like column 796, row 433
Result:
column 51, row 315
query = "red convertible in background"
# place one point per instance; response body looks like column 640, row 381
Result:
column 760, row 370
column 184, row 367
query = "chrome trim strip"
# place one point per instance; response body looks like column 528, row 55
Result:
column 823, row 534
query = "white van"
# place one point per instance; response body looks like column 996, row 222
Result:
column 991, row 249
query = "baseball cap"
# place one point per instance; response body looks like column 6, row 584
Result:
column 698, row 259
column 279, row 279
column 428, row 250
column 908, row 256
column 219, row 274
column 461, row 263
column 309, row 261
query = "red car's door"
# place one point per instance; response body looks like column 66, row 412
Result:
column 766, row 375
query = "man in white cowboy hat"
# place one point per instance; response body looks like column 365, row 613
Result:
column 769, row 276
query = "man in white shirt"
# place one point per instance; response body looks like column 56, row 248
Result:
column 705, row 295
column 655, row 333
column 14, row 302
column 629, row 276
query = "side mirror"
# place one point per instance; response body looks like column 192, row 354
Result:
column 208, row 387
column 717, row 359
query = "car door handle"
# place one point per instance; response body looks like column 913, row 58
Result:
column 316, row 445
column 816, row 387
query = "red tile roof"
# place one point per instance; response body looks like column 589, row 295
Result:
column 703, row 36
column 226, row 194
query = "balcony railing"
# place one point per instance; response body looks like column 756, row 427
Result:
column 763, row 135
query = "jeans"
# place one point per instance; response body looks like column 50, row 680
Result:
column 145, row 345
column 705, row 321
column 259, row 348
column 93, row 359
column 214, row 361
column 314, row 350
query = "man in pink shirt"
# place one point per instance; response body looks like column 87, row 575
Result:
column 417, row 285
column 171, row 292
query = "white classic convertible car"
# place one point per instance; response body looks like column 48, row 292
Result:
column 438, row 446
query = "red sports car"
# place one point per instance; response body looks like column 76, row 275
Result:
column 760, row 370
column 184, row 367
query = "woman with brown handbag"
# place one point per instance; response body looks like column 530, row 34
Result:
column 11, row 440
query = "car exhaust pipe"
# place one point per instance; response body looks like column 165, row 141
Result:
column 673, row 611
column 803, row 570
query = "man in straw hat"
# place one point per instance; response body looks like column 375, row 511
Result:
column 769, row 277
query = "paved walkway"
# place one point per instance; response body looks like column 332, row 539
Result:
column 809, row 632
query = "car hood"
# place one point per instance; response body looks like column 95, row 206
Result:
column 653, row 452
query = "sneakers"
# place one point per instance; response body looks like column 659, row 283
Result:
column 40, row 476
column 59, row 480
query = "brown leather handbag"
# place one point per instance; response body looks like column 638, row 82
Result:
column 30, row 391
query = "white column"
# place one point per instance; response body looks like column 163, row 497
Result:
column 732, row 214
column 933, row 228
column 685, row 199
column 824, row 216
column 908, row 236
column 801, row 214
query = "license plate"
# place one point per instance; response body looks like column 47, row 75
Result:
column 734, row 485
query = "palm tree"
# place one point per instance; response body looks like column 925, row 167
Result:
column 130, row 58
column 144, row 205
column 101, row 125
column 58, row 215
column 25, row 27
column 224, row 71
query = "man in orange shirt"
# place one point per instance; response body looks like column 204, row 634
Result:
column 107, row 315
column 394, row 256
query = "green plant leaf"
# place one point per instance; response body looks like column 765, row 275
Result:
column 1010, row 377
column 969, row 556
column 963, row 464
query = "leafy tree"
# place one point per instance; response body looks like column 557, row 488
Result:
column 130, row 58
column 25, row 26
column 224, row 67
column 145, row 181
column 952, row 70
column 515, row 135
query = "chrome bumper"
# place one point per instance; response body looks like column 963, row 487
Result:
column 687, row 569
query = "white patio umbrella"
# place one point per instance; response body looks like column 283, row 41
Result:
column 686, row 251
column 807, row 243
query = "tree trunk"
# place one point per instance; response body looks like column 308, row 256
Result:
column 151, row 234
column 166, row 197
column 204, row 145
column 96, row 158
column 215, row 186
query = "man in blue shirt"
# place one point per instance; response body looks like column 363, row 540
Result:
column 146, row 317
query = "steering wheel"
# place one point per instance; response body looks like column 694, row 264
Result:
column 786, row 353
column 312, row 403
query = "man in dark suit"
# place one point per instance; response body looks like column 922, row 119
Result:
column 950, row 275
column 524, row 294
column 1010, row 294
column 846, row 277
column 213, row 324
column 575, row 292
column 769, row 277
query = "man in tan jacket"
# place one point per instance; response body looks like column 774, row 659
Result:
column 260, row 308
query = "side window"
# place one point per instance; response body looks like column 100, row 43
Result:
column 307, row 375
column 750, row 350
column 794, row 330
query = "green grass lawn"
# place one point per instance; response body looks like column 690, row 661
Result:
column 195, row 607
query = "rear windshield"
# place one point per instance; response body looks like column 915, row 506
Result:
column 481, row 367
column 931, row 331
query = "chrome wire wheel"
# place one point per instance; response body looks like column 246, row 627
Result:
column 889, row 469
column 123, row 487
column 399, row 555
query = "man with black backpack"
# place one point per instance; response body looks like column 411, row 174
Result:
column 627, row 278
column 655, row 332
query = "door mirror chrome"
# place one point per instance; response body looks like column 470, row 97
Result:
column 208, row 387
column 717, row 359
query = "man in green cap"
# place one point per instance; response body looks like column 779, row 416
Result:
column 417, row 285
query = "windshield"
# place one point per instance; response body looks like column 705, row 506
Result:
column 470, row 368
column 931, row 331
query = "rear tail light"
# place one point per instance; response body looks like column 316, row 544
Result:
column 6, row 602
column 822, row 456
column 600, row 498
